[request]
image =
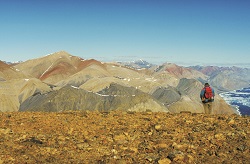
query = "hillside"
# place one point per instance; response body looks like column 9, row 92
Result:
column 123, row 137
column 7, row 72
column 55, row 67
column 15, row 87
column 226, row 78
column 114, row 97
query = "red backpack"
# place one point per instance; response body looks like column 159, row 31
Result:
column 208, row 93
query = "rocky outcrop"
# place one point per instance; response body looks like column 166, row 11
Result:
column 114, row 97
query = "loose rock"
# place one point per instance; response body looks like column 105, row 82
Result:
column 123, row 137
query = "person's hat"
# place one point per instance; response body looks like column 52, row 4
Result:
column 206, row 84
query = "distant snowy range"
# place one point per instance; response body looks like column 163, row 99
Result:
column 239, row 99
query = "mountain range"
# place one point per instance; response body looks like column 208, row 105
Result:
column 61, row 81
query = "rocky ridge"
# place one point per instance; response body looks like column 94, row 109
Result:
column 123, row 137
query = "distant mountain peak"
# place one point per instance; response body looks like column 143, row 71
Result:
column 139, row 61
column 137, row 64
column 59, row 54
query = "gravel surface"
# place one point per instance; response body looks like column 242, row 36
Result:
column 123, row 137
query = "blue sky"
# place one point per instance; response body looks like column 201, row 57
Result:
column 181, row 31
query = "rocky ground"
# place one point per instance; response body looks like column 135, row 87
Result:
column 123, row 137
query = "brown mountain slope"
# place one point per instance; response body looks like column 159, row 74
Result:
column 13, row 92
column 61, row 69
column 8, row 72
column 179, row 71
column 11, row 82
column 3, row 66
column 55, row 67
column 92, row 69
column 95, row 78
